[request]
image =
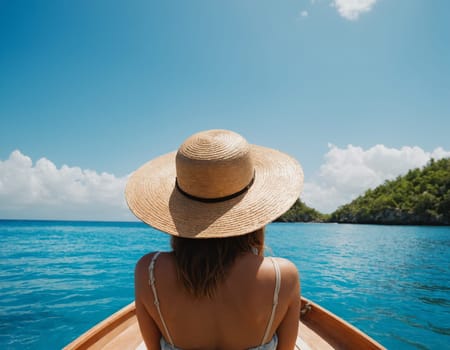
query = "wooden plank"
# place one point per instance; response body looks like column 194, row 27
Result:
column 105, row 331
column 339, row 334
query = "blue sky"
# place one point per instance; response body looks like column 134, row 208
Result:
column 103, row 86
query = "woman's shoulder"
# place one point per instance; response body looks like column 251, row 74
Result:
column 142, row 269
column 285, row 265
column 143, row 263
column 289, row 272
column 145, row 259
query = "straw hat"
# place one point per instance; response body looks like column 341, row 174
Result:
column 215, row 185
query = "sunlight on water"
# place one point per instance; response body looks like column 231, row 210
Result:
column 58, row 279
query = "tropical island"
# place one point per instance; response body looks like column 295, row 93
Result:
column 420, row 197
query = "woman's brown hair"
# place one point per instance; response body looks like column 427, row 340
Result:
column 203, row 263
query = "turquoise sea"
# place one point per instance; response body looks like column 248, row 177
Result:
column 58, row 279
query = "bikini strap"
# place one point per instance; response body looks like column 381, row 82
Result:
column 275, row 298
column 152, row 283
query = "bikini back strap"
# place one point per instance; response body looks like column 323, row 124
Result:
column 152, row 283
column 275, row 298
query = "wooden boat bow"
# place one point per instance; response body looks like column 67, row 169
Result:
column 318, row 328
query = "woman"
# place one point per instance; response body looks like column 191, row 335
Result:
column 216, row 290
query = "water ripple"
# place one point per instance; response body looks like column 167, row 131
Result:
column 59, row 279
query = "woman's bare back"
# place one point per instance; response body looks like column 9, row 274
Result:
column 235, row 318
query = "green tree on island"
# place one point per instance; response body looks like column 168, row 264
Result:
column 421, row 197
column 300, row 212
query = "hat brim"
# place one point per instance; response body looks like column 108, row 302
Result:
column 152, row 196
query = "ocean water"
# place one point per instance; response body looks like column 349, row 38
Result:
column 58, row 279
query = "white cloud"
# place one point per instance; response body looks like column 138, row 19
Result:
column 44, row 191
column 352, row 9
column 349, row 172
column 41, row 190
column 304, row 14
